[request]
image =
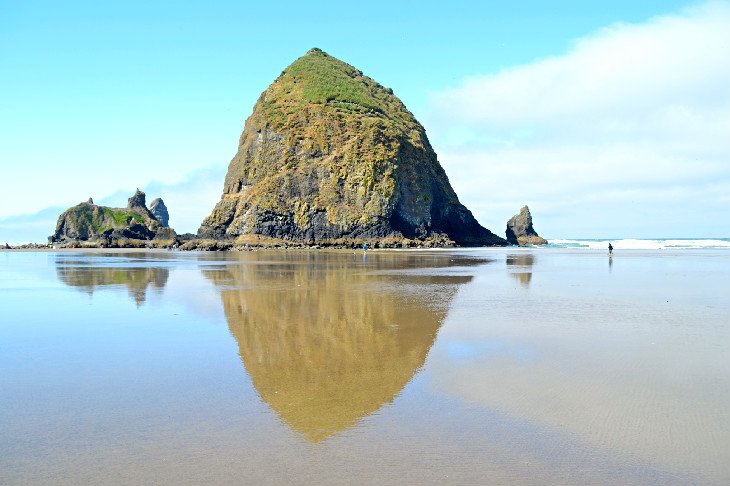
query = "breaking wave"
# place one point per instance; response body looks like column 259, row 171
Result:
column 636, row 244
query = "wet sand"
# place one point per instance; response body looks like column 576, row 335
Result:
column 494, row 366
column 83, row 250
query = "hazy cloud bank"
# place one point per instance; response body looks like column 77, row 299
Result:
column 188, row 201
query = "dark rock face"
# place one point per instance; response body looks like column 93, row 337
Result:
column 137, row 200
column 328, row 154
column 165, row 234
column 87, row 221
column 138, row 204
column 159, row 210
column 520, row 231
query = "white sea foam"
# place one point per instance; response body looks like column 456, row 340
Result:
column 637, row 244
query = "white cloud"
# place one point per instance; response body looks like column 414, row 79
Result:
column 630, row 125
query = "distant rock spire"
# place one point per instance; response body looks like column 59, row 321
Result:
column 137, row 201
column 159, row 210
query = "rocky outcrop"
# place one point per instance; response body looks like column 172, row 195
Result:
column 87, row 221
column 329, row 154
column 520, row 231
column 137, row 200
column 159, row 210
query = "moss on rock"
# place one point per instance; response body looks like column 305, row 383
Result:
column 87, row 221
column 329, row 153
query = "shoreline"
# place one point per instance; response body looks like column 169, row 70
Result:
column 583, row 250
column 244, row 243
column 251, row 244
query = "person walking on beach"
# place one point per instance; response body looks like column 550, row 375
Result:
column 364, row 247
column 610, row 249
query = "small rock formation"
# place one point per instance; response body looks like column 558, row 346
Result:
column 137, row 201
column 158, row 208
column 520, row 231
column 89, row 222
column 328, row 155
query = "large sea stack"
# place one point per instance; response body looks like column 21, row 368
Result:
column 330, row 155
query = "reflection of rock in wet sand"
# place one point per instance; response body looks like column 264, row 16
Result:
column 136, row 279
column 523, row 264
column 327, row 343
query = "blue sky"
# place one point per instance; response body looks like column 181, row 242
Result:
column 98, row 98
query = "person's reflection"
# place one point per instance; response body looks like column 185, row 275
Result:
column 88, row 278
column 521, row 267
column 327, row 343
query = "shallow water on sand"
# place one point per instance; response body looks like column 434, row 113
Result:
column 494, row 366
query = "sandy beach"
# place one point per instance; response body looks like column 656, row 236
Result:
column 484, row 366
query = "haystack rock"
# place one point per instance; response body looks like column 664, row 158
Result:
column 520, row 231
column 330, row 154
column 158, row 208
column 87, row 221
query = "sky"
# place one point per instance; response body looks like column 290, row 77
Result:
column 609, row 119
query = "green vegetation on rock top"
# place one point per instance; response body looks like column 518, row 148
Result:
column 121, row 216
column 321, row 79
